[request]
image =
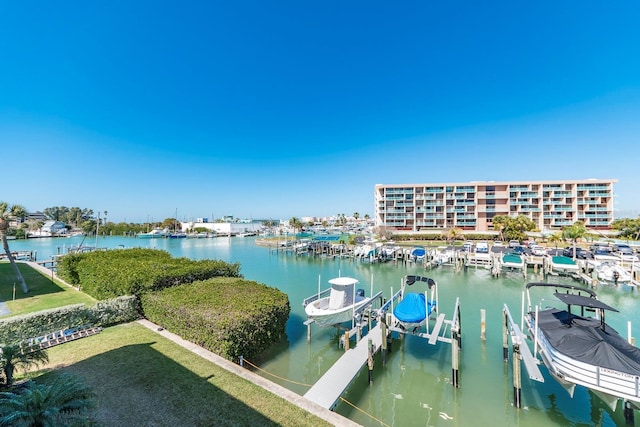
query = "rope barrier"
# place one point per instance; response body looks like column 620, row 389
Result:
column 310, row 385
column 276, row 376
column 366, row 413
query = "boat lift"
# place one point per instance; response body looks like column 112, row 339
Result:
column 328, row 389
column 444, row 330
column 521, row 351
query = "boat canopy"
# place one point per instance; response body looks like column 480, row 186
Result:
column 342, row 290
column 581, row 300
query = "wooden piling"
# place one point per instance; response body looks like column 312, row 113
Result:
column 383, row 350
column 505, row 338
column 517, row 382
column 454, row 359
column 389, row 336
column 346, row 340
column 370, row 361
column 628, row 413
column 483, row 324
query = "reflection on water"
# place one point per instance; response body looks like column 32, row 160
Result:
column 414, row 387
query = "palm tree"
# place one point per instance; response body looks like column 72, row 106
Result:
column 574, row 232
column 6, row 212
column 453, row 234
column 14, row 356
column 295, row 223
column 555, row 238
column 65, row 401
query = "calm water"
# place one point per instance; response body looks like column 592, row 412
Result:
column 414, row 387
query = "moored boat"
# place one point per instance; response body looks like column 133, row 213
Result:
column 339, row 306
column 414, row 308
column 512, row 260
column 583, row 350
column 418, row 253
column 563, row 264
column 156, row 233
column 612, row 273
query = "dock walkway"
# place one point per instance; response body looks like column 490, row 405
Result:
column 328, row 389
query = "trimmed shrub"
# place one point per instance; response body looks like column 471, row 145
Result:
column 231, row 317
column 104, row 313
column 108, row 274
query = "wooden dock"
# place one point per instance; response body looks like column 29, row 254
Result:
column 328, row 389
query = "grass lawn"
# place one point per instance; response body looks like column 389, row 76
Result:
column 43, row 292
column 143, row 379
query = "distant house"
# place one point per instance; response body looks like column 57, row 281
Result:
column 54, row 227
column 50, row 228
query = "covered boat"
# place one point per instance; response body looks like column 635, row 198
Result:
column 563, row 264
column 415, row 308
column 512, row 260
column 583, row 350
column 418, row 253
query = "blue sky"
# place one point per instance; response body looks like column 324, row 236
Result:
column 277, row 109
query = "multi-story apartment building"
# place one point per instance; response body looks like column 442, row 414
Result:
column 551, row 205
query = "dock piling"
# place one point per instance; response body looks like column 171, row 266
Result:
column 370, row 360
column 628, row 413
column 454, row 360
column 383, row 328
column 483, row 324
column 517, row 383
column 505, row 338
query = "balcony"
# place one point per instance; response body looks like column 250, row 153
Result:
column 431, row 190
column 588, row 187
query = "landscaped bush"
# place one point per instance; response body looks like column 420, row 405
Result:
column 108, row 274
column 104, row 313
column 232, row 317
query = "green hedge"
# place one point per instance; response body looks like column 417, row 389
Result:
column 108, row 274
column 104, row 313
column 231, row 317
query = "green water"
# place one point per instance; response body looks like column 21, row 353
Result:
column 414, row 387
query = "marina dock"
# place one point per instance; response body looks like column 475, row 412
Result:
column 328, row 389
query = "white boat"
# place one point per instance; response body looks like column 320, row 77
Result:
column 388, row 251
column 443, row 255
column 612, row 273
column 156, row 233
column 582, row 350
column 341, row 304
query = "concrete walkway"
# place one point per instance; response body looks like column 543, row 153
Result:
column 296, row 399
column 4, row 310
